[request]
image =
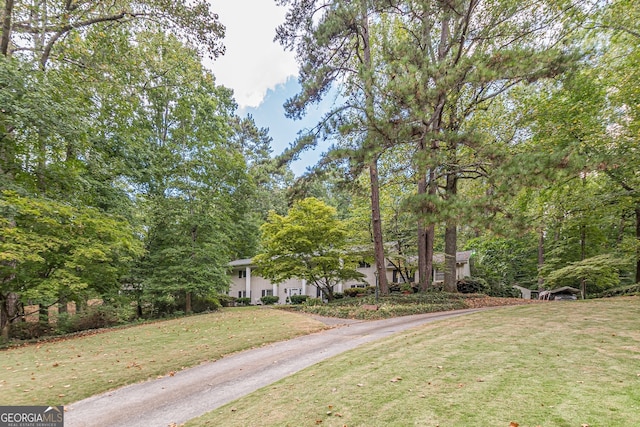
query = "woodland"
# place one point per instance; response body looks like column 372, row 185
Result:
column 509, row 128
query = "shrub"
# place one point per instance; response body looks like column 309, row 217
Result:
column 351, row 292
column 202, row 304
column 625, row 290
column 226, row 300
column 354, row 292
column 269, row 299
column 338, row 295
column 313, row 302
column 472, row 285
column 243, row 301
column 30, row 330
column 95, row 317
column 298, row 299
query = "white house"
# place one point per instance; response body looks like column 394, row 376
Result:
column 245, row 283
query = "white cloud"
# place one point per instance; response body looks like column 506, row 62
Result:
column 253, row 62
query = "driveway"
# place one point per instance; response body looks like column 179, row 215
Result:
column 196, row 391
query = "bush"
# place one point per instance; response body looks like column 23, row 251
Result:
column 472, row 285
column 205, row 304
column 226, row 300
column 354, row 292
column 243, row 301
column 30, row 330
column 298, row 299
column 338, row 295
column 310, row 302
column 351, row 292
column 269, row 299
column 625, row 290
column 95, row 317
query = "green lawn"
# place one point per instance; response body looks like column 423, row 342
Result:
column 552, row 364
column 61, row 372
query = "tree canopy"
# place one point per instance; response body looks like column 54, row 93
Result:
column 309, row 243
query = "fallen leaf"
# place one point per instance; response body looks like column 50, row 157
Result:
column 514, row 424
column 396, row 379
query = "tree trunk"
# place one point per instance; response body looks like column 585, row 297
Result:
column 450, row 249
column 376, row 224
column 426, row 231
column 540, row 257
column 638, row 241
column 5, row 37
column 43, row 314
column 62, row 305
column 9, row 311
column 187, row 303
column 423, row 239
column 450, row 239
column 376, row 221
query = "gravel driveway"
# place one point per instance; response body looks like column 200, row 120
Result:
column 196, row 391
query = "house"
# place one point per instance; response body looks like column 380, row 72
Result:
column 245, row 283
column 527, row 293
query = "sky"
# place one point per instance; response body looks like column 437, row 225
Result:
column 261, row 73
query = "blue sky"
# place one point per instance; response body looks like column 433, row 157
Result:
column 270, row 114
column 261, row 73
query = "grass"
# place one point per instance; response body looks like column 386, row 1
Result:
column 60, row 372
column 553, row 364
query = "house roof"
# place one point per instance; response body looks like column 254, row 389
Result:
column 565, row 289
column 461, row 257
column 241, row 262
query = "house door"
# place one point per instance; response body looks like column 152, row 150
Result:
column 294, row 291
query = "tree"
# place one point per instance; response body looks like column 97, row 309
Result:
column 333, row 42
column 309, row 243
column 51, row 251
column 38, row 27
column 593, row 274
column 449, row 60
column 192, row 182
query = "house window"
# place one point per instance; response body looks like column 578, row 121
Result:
column 242, row 294
column 242, row 274
column 267, row 292
column 363, row 264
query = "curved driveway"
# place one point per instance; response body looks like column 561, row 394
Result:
column 196, row 391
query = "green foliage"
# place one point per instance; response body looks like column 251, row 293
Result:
column 309, row 243
column 50, row 249
column 31, row 330
column 226, row 300
column 243, row 301
column 269, row 299
column 95, row 317
column 599, row 272
column 312, row 302
column 298, row 299
column 351, row 292
column 472, row 285
column 621, row 291
column 205, row 304
column 504, row 261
